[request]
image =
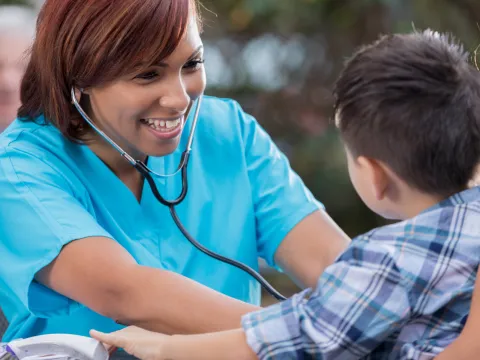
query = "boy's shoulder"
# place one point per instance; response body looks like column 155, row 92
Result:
column 458, row 215
column 447, row 233
column 427, row 253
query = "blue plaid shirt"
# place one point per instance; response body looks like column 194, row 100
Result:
column 401, row 291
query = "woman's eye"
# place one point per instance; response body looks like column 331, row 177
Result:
column 193, row 64
column 150, row 75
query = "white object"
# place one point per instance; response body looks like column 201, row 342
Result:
column 58, row 346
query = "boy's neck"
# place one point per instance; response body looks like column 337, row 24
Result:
column 412, row 202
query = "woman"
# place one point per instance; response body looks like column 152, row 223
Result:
column 84, row 242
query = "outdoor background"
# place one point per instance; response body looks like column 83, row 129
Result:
column 279, row 59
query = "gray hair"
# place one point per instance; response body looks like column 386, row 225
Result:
column 17, row 21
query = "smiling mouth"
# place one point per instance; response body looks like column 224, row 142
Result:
column 162, row 125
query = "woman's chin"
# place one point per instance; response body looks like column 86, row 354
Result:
column 163, row 150
column 160, row 143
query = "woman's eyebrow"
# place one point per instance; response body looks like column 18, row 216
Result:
column 194, row 54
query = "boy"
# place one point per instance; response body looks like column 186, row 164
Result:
column 408, row 110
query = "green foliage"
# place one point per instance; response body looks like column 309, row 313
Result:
column 15, row 2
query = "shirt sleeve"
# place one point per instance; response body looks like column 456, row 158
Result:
column 40, row 212
column 359, row 301
column 280, row 197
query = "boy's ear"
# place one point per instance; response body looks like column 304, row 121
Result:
column 377, row 176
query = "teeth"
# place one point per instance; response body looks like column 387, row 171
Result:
column 162, row 124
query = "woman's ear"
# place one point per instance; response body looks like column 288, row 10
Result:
column 78, row 94
column 377, row 175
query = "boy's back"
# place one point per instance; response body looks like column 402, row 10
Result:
column 401, row 291
column 434, row 258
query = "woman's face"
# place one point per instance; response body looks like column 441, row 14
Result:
column 145, row 112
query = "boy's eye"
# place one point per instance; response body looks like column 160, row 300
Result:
column 194, row 64
column 149, row 75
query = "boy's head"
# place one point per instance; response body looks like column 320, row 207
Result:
column 408, row 110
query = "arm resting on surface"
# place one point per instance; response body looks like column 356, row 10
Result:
column 100, row 274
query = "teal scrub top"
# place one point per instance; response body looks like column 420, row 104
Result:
column 243, row 199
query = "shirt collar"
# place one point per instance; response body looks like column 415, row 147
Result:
column 463, row 197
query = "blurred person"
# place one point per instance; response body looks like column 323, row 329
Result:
column 17, row 28
column 408, row 111
column 84, row 242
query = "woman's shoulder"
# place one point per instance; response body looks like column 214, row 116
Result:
column 35, row 135
column 225, row 117
column 35, row 146
column 218, row 108
column 219, row 104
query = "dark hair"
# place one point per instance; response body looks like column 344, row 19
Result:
column 412, row 101
column 85, row 43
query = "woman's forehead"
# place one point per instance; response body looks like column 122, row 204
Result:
column 190, row 44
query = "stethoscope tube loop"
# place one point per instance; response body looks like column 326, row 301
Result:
column 264, row 283
column 144, row 171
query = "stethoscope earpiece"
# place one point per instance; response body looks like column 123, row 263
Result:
column 77, row 94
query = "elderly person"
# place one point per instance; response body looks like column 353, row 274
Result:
column 17, row 25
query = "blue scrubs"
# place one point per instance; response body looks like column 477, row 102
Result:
column 243, row 199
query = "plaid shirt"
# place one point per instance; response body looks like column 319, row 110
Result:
column 401, row 291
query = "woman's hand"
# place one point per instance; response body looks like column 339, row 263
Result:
column 143, row 344
column 147, row 345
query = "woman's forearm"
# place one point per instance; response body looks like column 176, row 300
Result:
column 463, row 348
column 117, row 287
column 174, row 304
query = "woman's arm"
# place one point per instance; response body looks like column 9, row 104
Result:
column 312, row 245
column 100, row 274
column 293, row 230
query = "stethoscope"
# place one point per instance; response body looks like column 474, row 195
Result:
column 147, row 175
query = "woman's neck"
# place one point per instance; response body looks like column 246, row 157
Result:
column 117, row 163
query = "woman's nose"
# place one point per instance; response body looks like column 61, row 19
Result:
column 176, row 98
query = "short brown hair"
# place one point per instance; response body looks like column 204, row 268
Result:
column 85, row 43
column 412, row 101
